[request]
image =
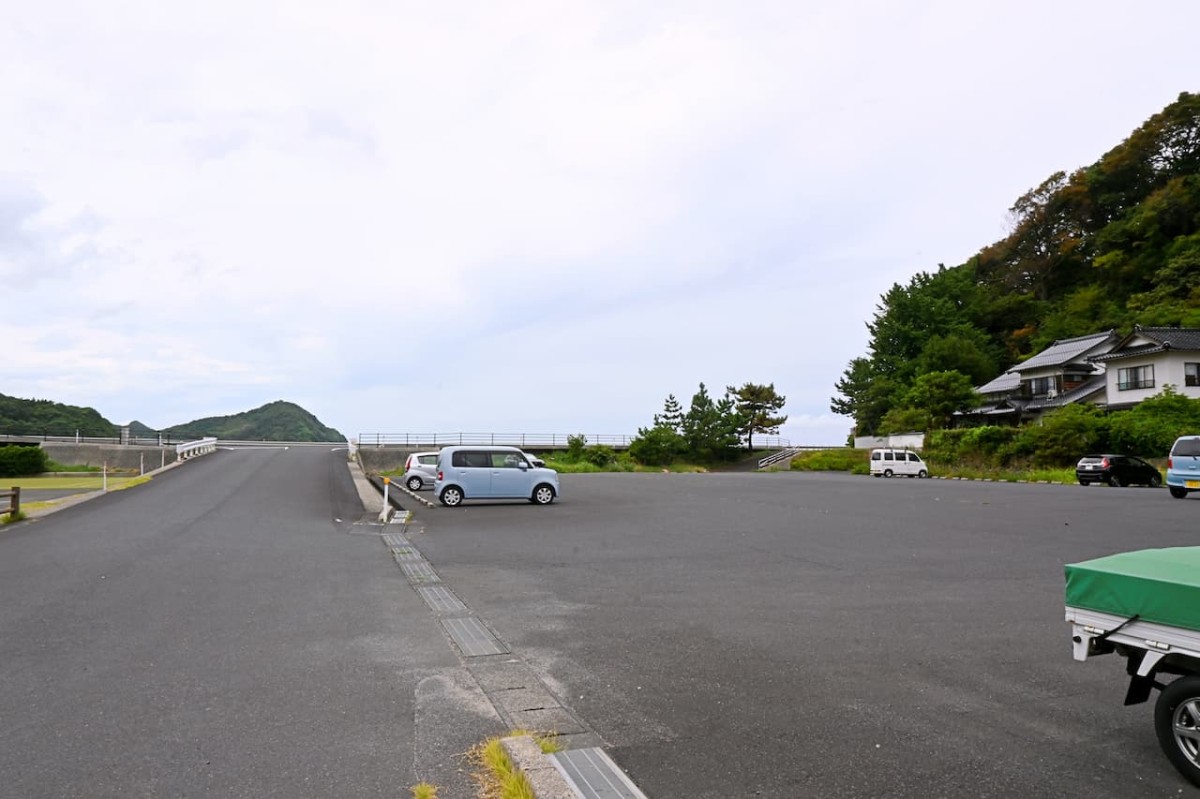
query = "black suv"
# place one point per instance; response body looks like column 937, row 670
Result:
column 1116, row 470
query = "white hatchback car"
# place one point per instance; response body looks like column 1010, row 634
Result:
column 420, row 470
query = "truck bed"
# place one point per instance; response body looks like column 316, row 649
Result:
column 1160, row 586
column 1087, row 625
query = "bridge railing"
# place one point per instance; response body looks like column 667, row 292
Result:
column 194, row 448
column 550, row 440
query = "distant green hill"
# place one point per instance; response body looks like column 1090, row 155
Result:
column 275, row 421
column 43, row 417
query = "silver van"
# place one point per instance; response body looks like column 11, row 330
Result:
column 491, row 473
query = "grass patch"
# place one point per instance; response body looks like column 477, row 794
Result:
column 12, row 518
column 855, row 461
column 999, row 474
column 89, row 482
column 424, row 791
column 498, row 777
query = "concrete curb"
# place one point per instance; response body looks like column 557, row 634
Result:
column 544, row 778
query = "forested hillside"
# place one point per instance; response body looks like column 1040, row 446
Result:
column 1110, row 245
column 275, row 421
column 43, row 417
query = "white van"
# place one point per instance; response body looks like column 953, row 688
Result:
column 888, row 462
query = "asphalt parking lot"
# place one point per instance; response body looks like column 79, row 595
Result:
column 820, row 635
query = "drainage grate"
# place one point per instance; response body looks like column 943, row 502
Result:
column 420, row 572
column 402, row 554
column 395, row 540
column 473, row 638
column 593, row 775
column 440, row 600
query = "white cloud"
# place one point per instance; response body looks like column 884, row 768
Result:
column 375, row 209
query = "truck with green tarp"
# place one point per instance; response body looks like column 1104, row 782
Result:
column 1145, row 606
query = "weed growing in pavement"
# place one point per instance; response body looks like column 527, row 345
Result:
column 424, row 791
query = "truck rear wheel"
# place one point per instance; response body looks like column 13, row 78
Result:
column 1177, row 723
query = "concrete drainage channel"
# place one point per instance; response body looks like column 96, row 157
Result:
column 582, row 770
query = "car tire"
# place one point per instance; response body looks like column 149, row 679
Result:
column 1155, row 481
column 1177, row 492
column 1115, row 481
column 921, row 475
column 1085, row 482
column 451, row 497
column 542, row 495
column 887, row 472
column 1177, row 724
column 414, row 483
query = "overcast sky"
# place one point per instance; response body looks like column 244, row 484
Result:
column 536, row 217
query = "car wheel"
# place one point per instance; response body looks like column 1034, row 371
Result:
column 1177, row 492
column 451, row 497
column 542, row 495
column 1155, row 481
column 1085, row 482
column 414, row 483
column 1177, row 723
column 1115, row 481
column 921, row 475
column 887, row 472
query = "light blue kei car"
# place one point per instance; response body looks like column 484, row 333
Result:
column 489, row 472
column 1183, row 466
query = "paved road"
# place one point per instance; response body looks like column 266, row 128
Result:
column 813, row 635
column 227, row 630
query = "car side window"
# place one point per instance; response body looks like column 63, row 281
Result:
column 887, row 456
column 506, row 460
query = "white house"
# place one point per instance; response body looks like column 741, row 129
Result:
column 1149, row 358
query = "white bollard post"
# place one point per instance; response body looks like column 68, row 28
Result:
column 104, row 478
column 383, row 514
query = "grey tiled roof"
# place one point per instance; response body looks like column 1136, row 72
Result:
column 1064, row 351
column 1009, row 381
column 1080, row 392
column 1162, row 339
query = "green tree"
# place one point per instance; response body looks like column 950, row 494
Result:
column 659, row 445
column 755, row 404
column 941, row 394
column 710, row 428
column 904, row 420
column 672, row 415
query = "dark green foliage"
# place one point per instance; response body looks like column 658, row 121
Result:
column 656, row 446
column 275, row 421
column 941, row 394
column 43, row 417
column 22, row 461
column 904, row 420
column 600, row 455
column 575, row 447
column 755, row 404
column 1063, row 436
column 1109, row 246
column 1151, row 427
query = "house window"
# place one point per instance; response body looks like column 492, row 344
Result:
column 1135, row 377
column 1040, row 385
column 1191, row 374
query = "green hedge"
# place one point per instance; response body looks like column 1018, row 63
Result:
column 22, row 461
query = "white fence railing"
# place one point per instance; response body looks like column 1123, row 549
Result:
column 194, row 448
column 789, row 453
column 552, row 440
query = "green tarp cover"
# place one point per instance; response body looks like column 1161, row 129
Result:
column 1160, row 585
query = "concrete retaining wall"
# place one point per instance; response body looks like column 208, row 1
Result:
column 375, row 460
column 115, row 455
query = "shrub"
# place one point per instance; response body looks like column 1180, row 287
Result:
column 658, row 446
column 1063, row 436
column 855, row 461
column 20, row 461
column 1150, row 428
column 600, row 455
column 575, row 447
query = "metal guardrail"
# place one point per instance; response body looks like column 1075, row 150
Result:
column 552, row 440
column 194, row 448
column 138, row 441
column 789, row 453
